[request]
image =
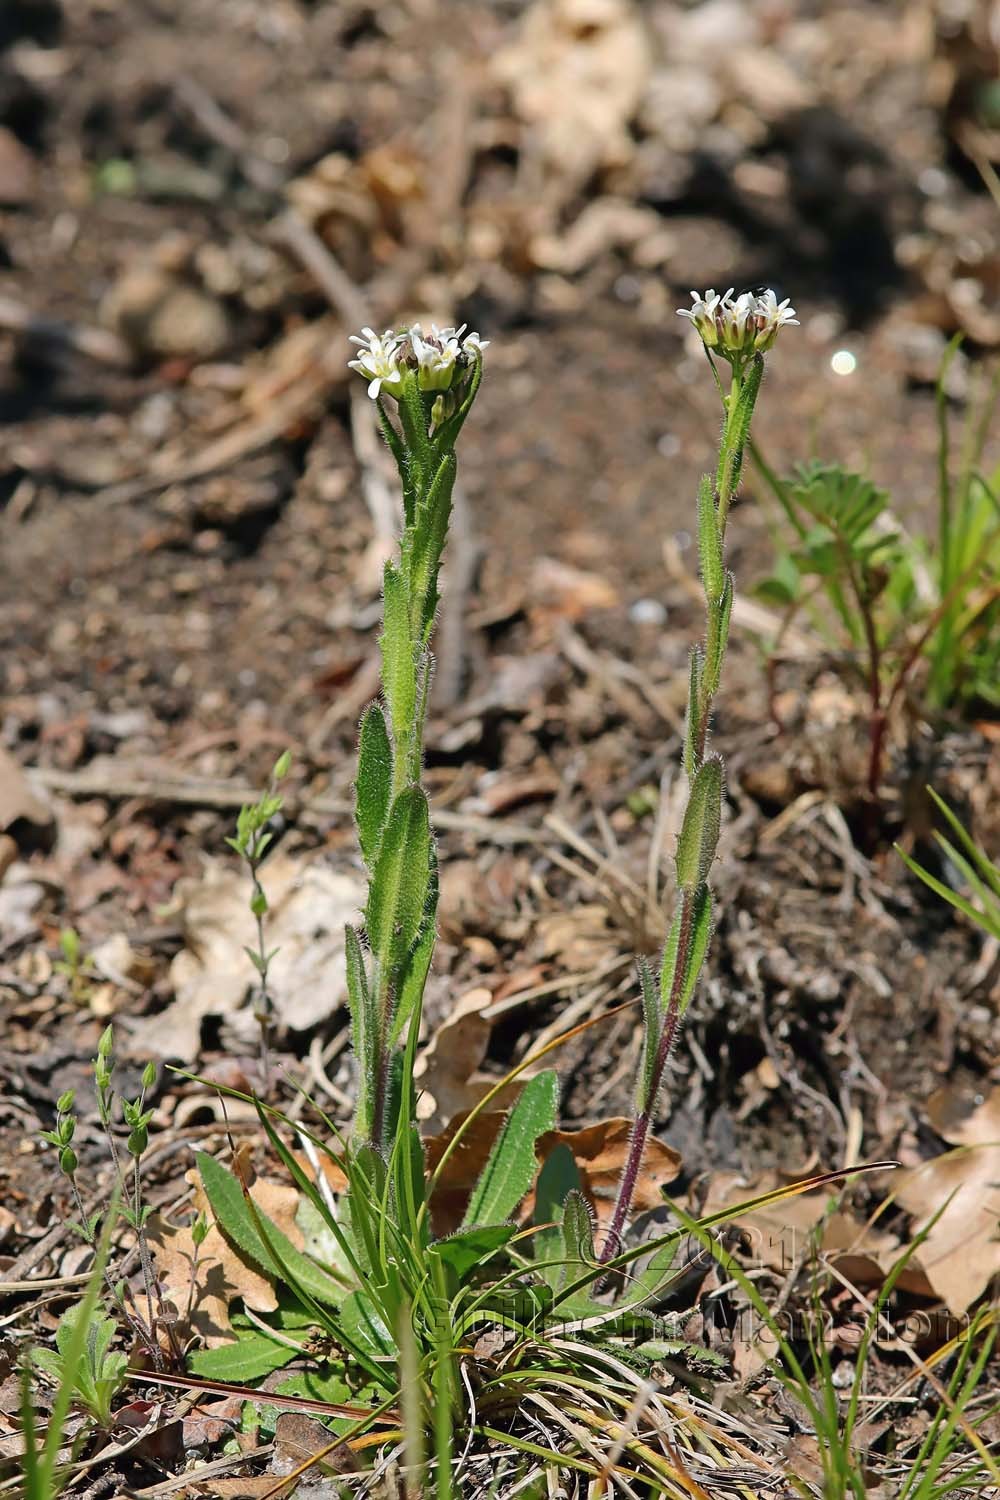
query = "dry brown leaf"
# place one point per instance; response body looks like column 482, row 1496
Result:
column 448, row 1069
column 299, row 1438
column 18, row 799
column 579, row 938
column 961, row 1254
column 221, row 1274
column 600, row 1151
column 576, row 74
column 309, row 907
column 561, row 590
column 780, row 1233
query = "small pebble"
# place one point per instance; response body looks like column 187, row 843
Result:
column 648, row 612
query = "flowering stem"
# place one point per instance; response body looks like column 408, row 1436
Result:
column 687, row 941
column 433, row 380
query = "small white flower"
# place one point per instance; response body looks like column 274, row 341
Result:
column 436, row 356
column 734, row 320
column 738, row 328
column 771, row 316
column 378, row 361
column 473, row 344
column 704, row 313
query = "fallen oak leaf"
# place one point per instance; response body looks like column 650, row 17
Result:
column 221, row 1273
column 961, row 1252
column 600, row 1152
column 448, row 1070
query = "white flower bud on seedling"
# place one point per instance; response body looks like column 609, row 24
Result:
column 149, row 1075
column 199, row 1230
column 67, row 1161
column 65, row 1102
column 107, row 1042
column 282, row 766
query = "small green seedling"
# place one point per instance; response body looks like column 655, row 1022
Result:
column 251, row 842
column 917, row 617
column 98, row 1375
column 76, row 965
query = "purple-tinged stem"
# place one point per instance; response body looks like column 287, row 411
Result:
column 640, row 1130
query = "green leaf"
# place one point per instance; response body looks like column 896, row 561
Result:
column 691, row 1354
column 364, row 1326
column 738, row 428
column 430, row 531
column 692, row 728
column 247, row 1359
column 359, row 997
column 397, row 896
column 652, row 1030
column 469, row 1248
column 399, row 671
column 716, row 637
column 701, row 932
column 986, row 867
column 699, row 834
column 578, row 1239
column 653, row 1281
column 709, row 540
column 783, row 587
column 275, row 1257
column 411, row 985
column 374, row 784
column 946, row 893
column 559, row 1176
column 511, row 1168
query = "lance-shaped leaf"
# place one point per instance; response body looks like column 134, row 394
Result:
column 397, row 895
column 694, row 738
column 414, row 419
column 652, row 1028
column 399, row 671
column 447, row 434
column 695, row 948
column 431, row 529
column 468, row 1249
column 709, row 540
column 260, row 1240
column 699, row 834
column 363, row 1023
column 374, row 784
column 578, row 1235
column 738, row 428
column 410, row 989
column 251, row 1358
column 395, row 445
column 511, row 1166
column 717, row 635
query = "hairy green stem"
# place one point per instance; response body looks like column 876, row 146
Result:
column 706, row 669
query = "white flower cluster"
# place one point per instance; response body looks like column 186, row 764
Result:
column 748, row 325
column 439, row 357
